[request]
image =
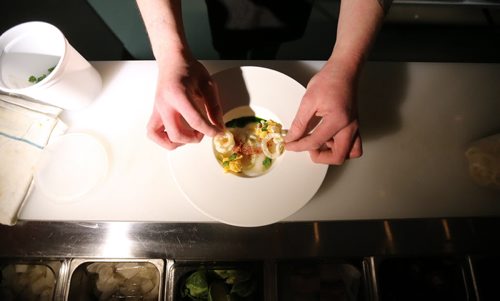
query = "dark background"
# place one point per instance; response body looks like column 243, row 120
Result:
column 447, row 31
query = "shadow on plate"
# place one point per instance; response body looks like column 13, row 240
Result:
column 233, row 92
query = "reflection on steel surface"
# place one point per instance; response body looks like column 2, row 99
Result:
column 218, row 241
column 369, row 242
column 116, row 241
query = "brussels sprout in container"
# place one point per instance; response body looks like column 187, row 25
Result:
column 227, row 282
column 219, row 285
column 27, row 282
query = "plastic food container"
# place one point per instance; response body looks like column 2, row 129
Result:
column 37, row 61
column 115, row 280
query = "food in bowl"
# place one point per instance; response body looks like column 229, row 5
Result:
column 249, row 146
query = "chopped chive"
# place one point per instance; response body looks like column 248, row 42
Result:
column 41, row 78
column 35, row 80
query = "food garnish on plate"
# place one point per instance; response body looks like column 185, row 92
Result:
column 249, row 145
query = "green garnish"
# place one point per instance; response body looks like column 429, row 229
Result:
column 243, row 121
column 267, row 162
column 39, row 79
column 233, row 157
column 35, row 80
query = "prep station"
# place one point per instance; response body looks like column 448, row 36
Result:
column 410, row 196
column 406, row 221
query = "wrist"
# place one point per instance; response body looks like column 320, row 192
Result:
column 169, row 55
column 347, row 64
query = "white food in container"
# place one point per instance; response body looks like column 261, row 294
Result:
column 484, row 161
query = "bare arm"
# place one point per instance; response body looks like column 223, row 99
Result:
column 358, row 24
column 186, row 102
column 163, row 20
column 331, row 92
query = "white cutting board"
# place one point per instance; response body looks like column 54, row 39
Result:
column 416, row 120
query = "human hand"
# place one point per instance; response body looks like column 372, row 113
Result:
column 186, row 105
column 330, row 97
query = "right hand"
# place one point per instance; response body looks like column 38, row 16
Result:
column 187, row 105
column 330, row 95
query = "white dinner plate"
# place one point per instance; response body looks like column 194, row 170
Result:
column 290, row 183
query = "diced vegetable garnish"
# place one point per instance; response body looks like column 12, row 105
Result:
column 249, row 145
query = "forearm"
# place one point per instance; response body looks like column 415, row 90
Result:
column 163, row 21
column 359, row 21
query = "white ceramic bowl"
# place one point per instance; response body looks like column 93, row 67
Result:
column 256, row 201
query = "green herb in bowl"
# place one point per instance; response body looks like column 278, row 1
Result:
column 35, row 80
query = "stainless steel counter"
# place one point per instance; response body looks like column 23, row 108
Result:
column 377, row 248
column 215, row 241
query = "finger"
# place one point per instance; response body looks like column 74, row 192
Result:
column 300, row 123
column 156, row 132
column 177, row 129
column 337, row 149
column 357, row 148
column 213, row 105
column 195, row 119
column 323, row 132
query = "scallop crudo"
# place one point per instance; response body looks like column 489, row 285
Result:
column 249, row 145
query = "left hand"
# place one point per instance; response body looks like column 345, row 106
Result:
column 330, row 96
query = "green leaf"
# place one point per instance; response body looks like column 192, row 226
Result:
column 32, row 79
column 242, row 121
